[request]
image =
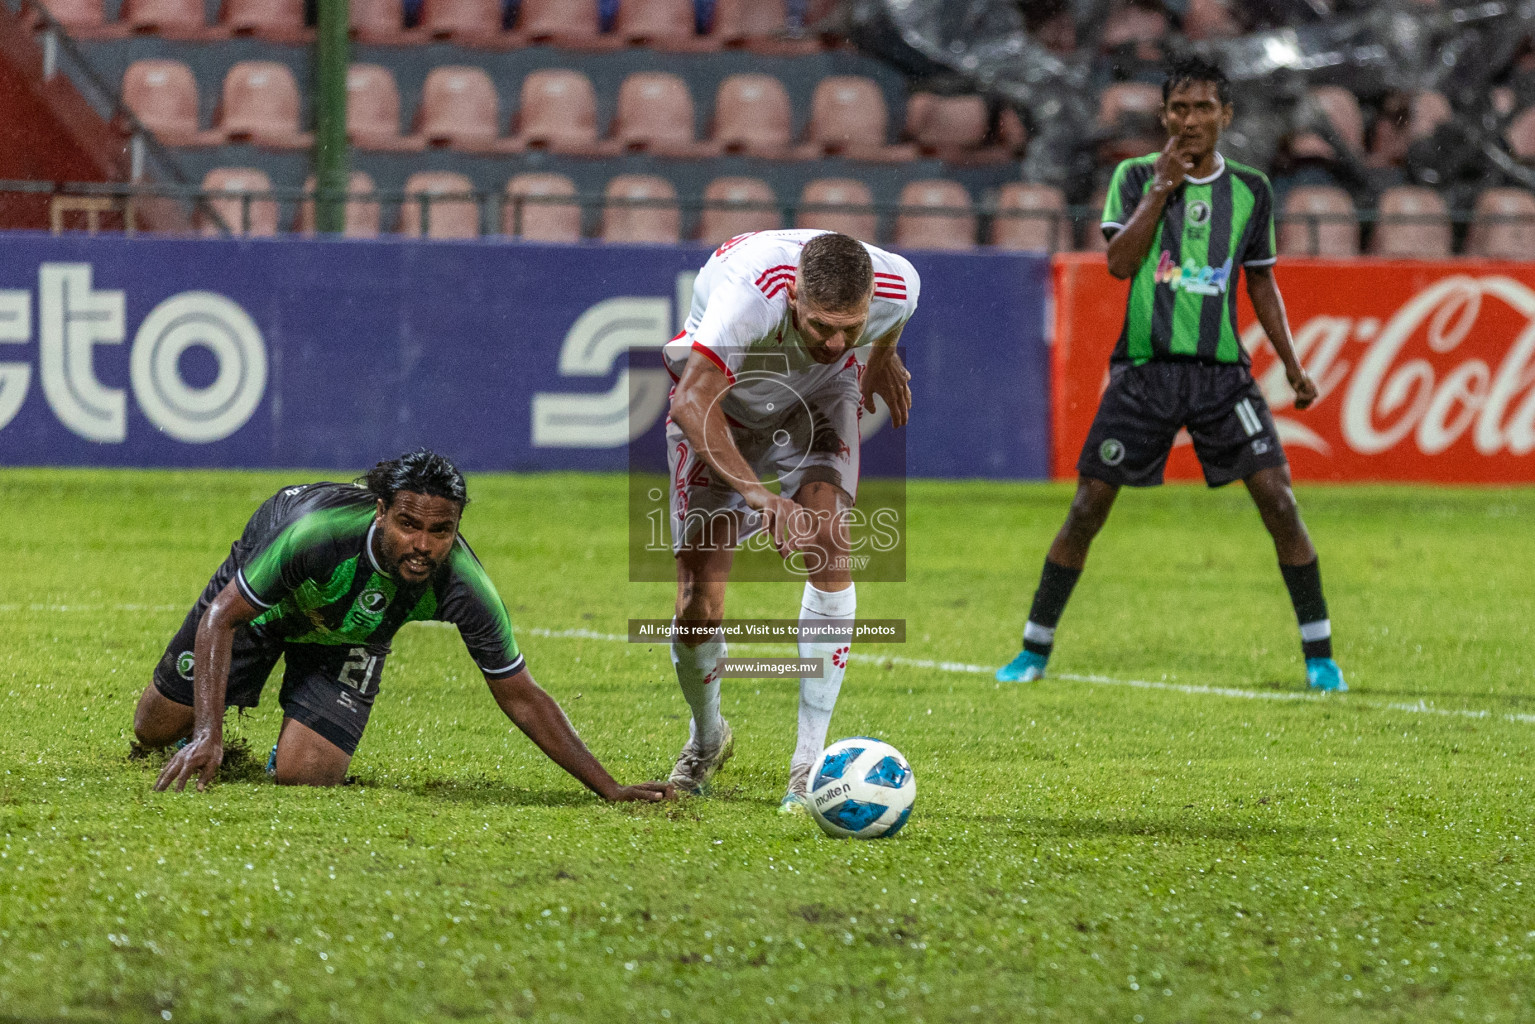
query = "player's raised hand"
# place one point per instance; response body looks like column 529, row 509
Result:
column 1173, row 164
column 1306, row 390
column 645, row 792
column 201, row 757
column 890, row 380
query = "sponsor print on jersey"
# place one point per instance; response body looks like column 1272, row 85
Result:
column 1191, row 277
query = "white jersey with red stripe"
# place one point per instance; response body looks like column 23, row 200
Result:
column 741, row 321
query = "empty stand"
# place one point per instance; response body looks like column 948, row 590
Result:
column 641, row 208
column 533, row 212
column 232, row 196
column 1127, row 120
column 280, row 21
column 1503, row 225
column 953, row 129
column 1031, row 216
column 935, row 214
column 575, row 24
column 468, row 22
column 1429, row 110
column 363, row 214
column 163, row 95
column 261, row 104
column 1341, row 109
column 1318, row 220
column 1135, row 27
column 759, row 25
column 752, row 116
column 1412, row 223
column 443, row 218
column 1520, row 135
column 665, row 25
column 838, row 204
column 734, row 206
column 1209, row 19
column 175, row 19
column 459, row 109
column 84, row 19
column 381, row 22
column 373, row 111
column 558, row 112
column 654, row 114
column 848, row 118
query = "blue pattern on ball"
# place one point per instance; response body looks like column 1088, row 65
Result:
column 899, row 822
column 889, row 772
column 835, row 766
column 855, row 814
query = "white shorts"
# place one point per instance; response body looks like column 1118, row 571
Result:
column 818, row 442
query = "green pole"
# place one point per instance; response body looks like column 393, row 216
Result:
column 331, row 163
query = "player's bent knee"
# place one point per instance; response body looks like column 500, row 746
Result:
column 309, row 777
column 159, row 721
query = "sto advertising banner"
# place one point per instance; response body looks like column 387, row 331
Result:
column 508, row 356
column 1426, row 369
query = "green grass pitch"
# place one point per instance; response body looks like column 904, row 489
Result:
column 1170, row 830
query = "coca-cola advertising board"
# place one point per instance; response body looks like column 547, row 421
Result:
column 1426, row 369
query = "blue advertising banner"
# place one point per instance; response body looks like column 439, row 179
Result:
column 507, row 356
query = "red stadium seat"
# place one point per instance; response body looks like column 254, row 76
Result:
column 363, row 215
column 163, row 95
column 281, row 21
column 654, row 114
column 467, row 22
column 1031, row 216
column 935, row 214
column 953, row 129
column 637, row 210
column 1318, row 220
column 381, row 22
column 838, row 204
column 1503, row 225
column 83, row 19
column 574, row 24
column 459, row 110
column 531, row 213
column 848, row 118
column 665, row 25
column 445, row 218
column 752, row 116
column 241, row 216
column 558, row 112
column 1411, row 223
column 261, row 105
column 759, row 25
column 373, row 111
column 175, row 19
column 734, row 206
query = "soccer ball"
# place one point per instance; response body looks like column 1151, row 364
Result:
column 861, row 788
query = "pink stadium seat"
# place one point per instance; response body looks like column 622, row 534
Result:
column 1520, row 135
column 280, row 21
column 734, row 206
column 1503, row 225
column 163, row 95
column 261, row 104
column 446, row 218
column 759, row 25
column 241, row 217
column 459, row 109
column 654, row 114
column 363, row 215
column 84, row 19
column 1137, row 26
column 953, row 129
column 1342, row 111
column 1429, row 110
column 1318, row 220
column 935, row 214
column 373, row 111
column 1209, row 19
column 471, row 22
column 1412, row 223
column 1127, row 112
column 1038, row 218
column 175, row 19
column 558, row 112
column 541, row 221
column 848, row 118
column 636, row 210
column 838, row 204
column 381, row 22
column 752, row 116
column 574, row 24
column 665, row 25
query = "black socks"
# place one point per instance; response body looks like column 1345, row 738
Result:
column 1055, row 585
column 1304, row 582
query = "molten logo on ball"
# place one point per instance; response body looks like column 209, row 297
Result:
column 861, row 788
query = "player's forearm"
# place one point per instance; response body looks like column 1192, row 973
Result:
column 211, row 654
column 709, row 433
column 1129, row 247
column 1268, row 304
column 542, row 721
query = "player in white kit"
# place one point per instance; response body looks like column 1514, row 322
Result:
column 768, row 388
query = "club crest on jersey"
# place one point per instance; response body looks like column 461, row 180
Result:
column 184, row 665
column 1191, row 277
column 373, row 600
column 1199, row 213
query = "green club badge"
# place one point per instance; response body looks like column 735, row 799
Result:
column 1111, row 452
column 184, row 665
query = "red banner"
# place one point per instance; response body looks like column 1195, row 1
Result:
column 1427, row 370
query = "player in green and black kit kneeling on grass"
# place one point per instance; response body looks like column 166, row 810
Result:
column 1183, row 225
column 323, row 576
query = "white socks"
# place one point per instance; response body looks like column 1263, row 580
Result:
column 817, row 697
column 699, row 676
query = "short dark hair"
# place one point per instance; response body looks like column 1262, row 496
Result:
column 421, row 471
column 1190, row 69
column 835, row 272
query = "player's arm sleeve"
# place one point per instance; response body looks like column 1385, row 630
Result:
column 278, row 569
column 473, row 605
column 1260, row 250
column 1124, row 195
column 739, row 315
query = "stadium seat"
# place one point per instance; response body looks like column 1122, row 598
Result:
column 935, row 214
column 758, row 25
column 752, row 116
column 558, row 112
column 573, row 24
column 162, row 94
column 541, row 221
column 373, row 111
column 1318, row 220
column 838, row 204
column 381, row 22
column 1341, row 108
column 848, row 118
column 654, row 114
column 1411, row 223
column 953, row 129
column 83, row 19
column 1520, row 135
column 665, row 25
column 1429, row 110
column 1038, row 218
column 447, row 218
column 1139, row 28
column 240, row 216
column 1209, row 19
column 459, row 110
column 280, row 21
column 636, row 210
column 261, row 105
column 174, row 19
column 1127, row 120
column 466, row 22
column 1503, row 225
column 734, row 206
column 363, row 215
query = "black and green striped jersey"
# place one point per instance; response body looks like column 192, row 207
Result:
column 1183, row 303
column 306, row 559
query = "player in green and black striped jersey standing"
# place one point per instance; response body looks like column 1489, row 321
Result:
column 1183, row 225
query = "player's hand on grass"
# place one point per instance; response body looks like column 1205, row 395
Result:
column 201, row 757
column 1305, row 388
column 889, row 379
column 644, row 792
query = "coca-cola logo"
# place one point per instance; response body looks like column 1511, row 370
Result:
column 1409, row 376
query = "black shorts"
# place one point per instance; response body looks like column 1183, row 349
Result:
column 329, row 689
column 1144, row 406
